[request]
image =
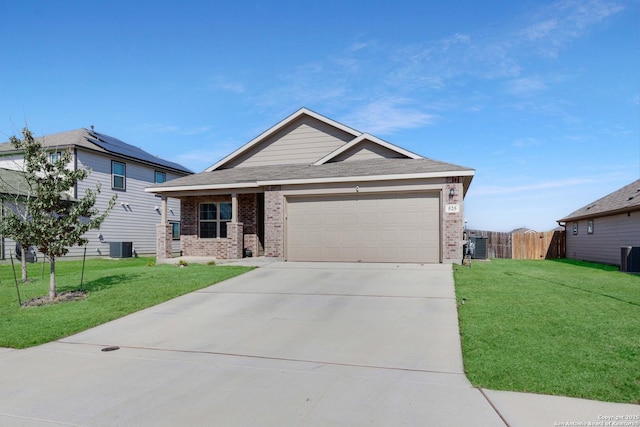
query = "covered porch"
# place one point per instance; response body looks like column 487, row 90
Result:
column 220, row 226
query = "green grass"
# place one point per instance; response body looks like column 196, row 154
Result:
column 551, row 327
column 115, row 288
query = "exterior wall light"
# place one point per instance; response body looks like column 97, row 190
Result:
column 452, row 192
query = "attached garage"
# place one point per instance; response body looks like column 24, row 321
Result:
column 368, row 228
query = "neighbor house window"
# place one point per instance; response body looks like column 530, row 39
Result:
column 590, row 226
column 118, row 176
column 54, row 157
column 160, row 177
column 213, row 219
column 575, row 228
column 175, row 230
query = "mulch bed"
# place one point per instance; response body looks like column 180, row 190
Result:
column 61, row 297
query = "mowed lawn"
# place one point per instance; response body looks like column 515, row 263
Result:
column 115, row 288
column 552, row 327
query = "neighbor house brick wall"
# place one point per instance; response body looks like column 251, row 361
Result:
column 453, row 222
column 274, row 222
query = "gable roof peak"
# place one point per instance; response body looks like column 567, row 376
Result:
column 303, row 111
column 365, row 137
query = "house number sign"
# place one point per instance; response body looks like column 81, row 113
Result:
column 452, row 208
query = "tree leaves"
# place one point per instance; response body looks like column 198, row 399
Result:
column 48, row 218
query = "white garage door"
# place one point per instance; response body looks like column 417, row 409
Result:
column 367, row 228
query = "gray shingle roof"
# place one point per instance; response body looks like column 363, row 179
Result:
column 13, row 182
column 362, row 168
column 95, row 141
column 626, row 199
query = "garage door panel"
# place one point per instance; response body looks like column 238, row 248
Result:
column 381, row 228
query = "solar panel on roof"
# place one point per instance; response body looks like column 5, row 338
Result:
column 114, row 145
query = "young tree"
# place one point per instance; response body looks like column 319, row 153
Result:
column 56, row 222
column 15, row 221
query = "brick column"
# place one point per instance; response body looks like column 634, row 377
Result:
column 236, row 240
column 163, row 241
column 453, row 222
column 273, row 222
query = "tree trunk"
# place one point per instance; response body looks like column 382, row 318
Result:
column 23, row 263
column 52, row 278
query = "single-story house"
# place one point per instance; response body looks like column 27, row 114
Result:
column 312, row 189
column 597, row 232
column 120, row 168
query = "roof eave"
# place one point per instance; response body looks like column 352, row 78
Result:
column 469, row 173
column 601, row 214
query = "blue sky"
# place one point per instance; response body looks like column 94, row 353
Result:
column 541, row 98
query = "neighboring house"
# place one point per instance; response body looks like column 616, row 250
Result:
column 524, row 230
column 598, row 231
column 313, row 189
column 120, row 169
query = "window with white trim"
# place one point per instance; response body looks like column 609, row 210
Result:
column 159, row 177
column 175, row 230
column 213, row 219
column 55, row 156
column 118, row 175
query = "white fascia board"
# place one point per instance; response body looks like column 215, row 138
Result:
column 276, row 128
column 370, row 138
column 368, row 178
column 201, row 187
column 296, row 181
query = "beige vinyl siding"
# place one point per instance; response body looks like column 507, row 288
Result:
column 609, row 235
column 368, row 228
column 366, row 151
column 303, row 141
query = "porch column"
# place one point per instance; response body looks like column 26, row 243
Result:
column 163, row 233
column 234, row 234
column 234, row 207
column 163, row 210
column 163, row 241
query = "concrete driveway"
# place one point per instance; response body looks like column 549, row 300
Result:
column 288, row 344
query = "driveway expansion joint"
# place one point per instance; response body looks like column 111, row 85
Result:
column 282, row 359
column 506, row 423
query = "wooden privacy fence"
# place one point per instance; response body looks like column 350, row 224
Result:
column 532, row 245
column 499, row 245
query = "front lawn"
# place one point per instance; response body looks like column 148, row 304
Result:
column 552, row 327
column 115, row 288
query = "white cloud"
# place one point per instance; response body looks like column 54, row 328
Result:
column 222, row 83
column 540, row 186
column 200, row 159
column 526, row 142
column 160, row 128
column 559, row 23
column 385, row 116
column 525, row 86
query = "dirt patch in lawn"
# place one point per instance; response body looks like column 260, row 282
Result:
column 61, row 297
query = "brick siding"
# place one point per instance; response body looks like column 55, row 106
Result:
column 453, row 223
column 273, row 222
column 240, row 235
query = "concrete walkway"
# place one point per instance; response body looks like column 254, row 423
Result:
column 288, row 344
